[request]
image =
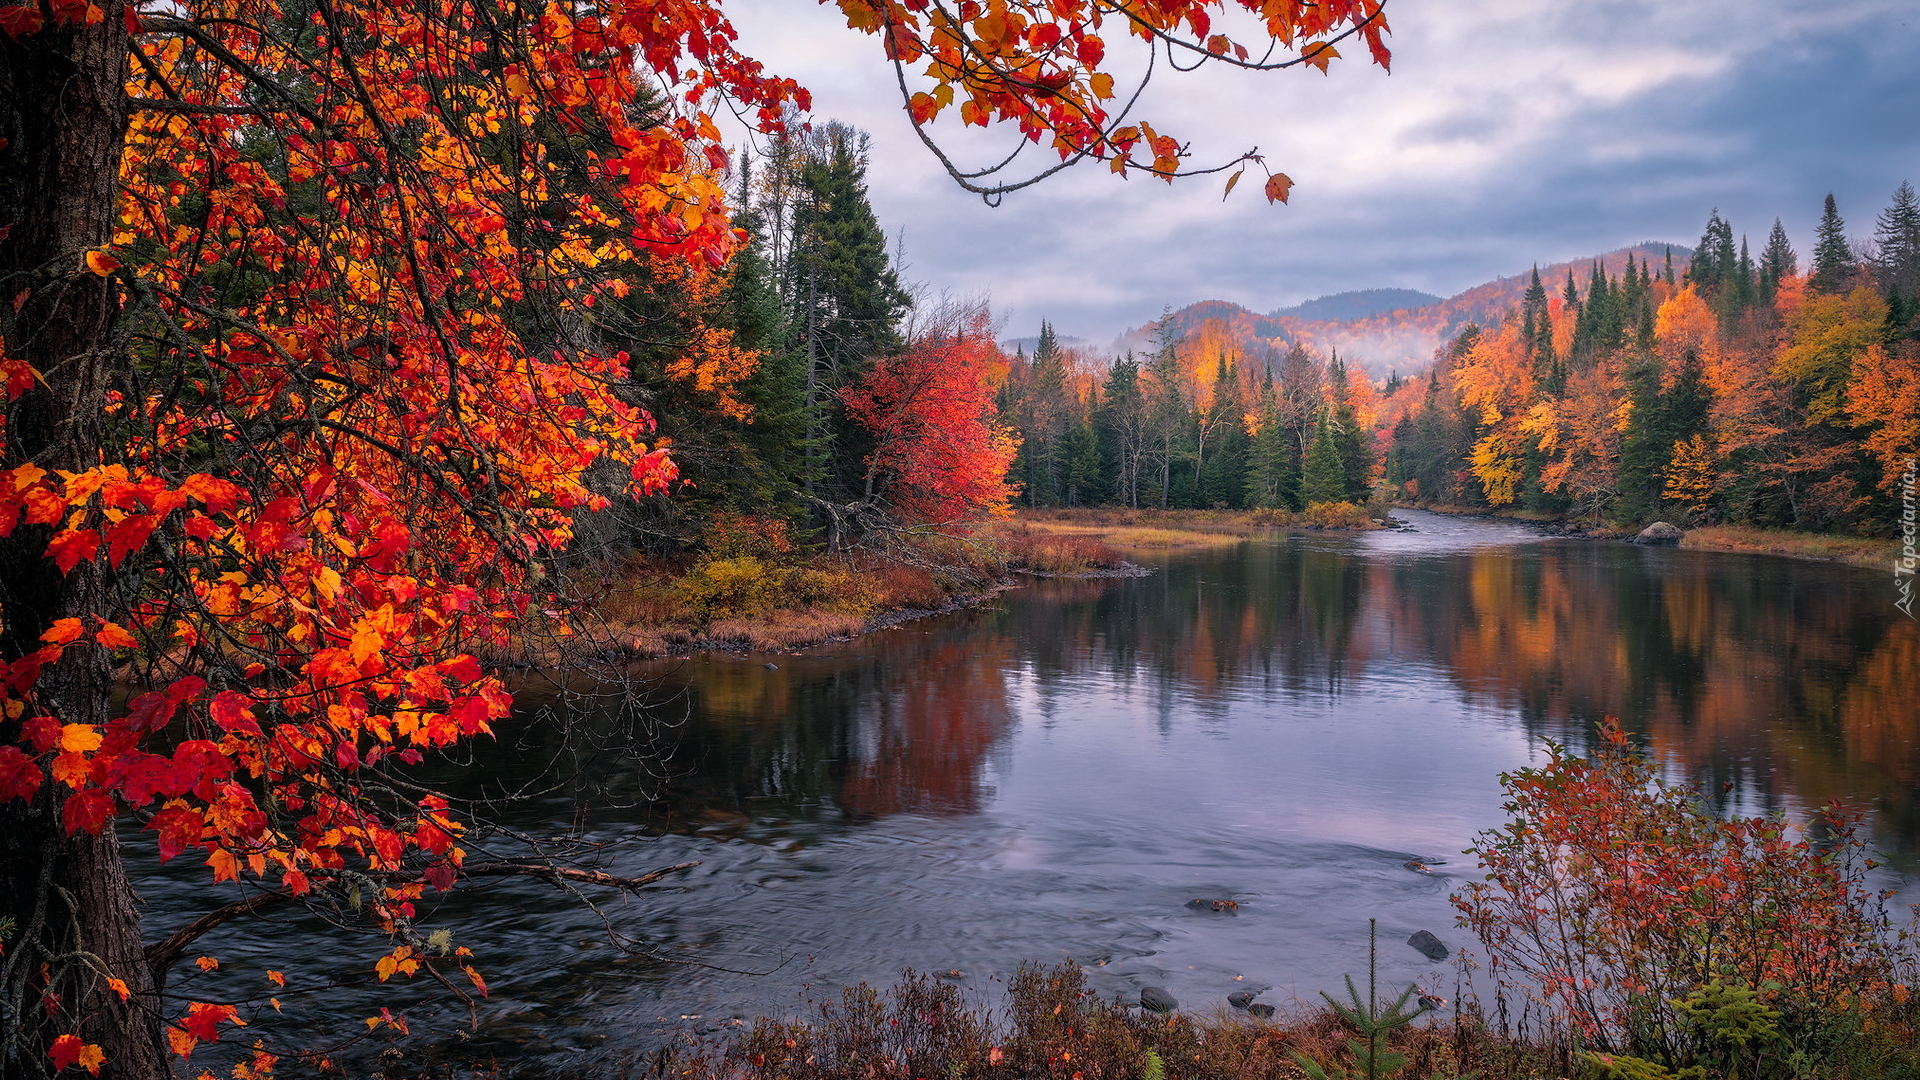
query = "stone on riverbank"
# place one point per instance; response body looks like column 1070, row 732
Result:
column 1660, row 534
column 1158, row 999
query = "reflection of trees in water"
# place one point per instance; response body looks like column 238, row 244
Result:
column 1284, row 614
column 1792, row 681
column 1786, row 680
column 903, row 724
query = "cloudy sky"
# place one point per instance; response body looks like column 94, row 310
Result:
column 1509, row 132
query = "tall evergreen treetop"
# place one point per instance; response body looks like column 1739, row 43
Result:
column 1778, row 260
column 1897, row 238
column 1832, row 256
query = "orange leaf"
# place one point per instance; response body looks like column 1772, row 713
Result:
column 115, row 636
column 102, row 263
column 62, row 631
column 207, row 963
column 1279, row 185
column 119, row 986
column 79, row 738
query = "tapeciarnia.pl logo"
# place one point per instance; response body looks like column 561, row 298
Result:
column 1903, row 566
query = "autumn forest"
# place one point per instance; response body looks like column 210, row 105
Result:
column 365, row 364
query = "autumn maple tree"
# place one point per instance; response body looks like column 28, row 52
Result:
column 938, row 457
column 304, row 377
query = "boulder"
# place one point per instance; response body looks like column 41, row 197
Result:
column 1660, row 534
column 1158, row 999
column 1240, row 999
column 1431, row 947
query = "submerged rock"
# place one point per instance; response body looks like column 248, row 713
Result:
column 1660, row 534
column 1229, row 906
column 1431, row 947
column 1240, row 999
column 1261, row 1010
column 1158, row 999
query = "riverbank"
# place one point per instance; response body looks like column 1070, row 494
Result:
column 751, row 591
column 1820, row 547
column 1816, row 547
column 1173, row 530
column 1054, row 1028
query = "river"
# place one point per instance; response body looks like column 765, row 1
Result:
column 1284, row 723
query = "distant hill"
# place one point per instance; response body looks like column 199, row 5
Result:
column 1342, row 307
column 1403, row 327
column 1066, row 341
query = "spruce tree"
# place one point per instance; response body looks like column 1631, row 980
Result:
column 1323, row 478
column 1832, row 256
column 1356, row 457
column 1897, row 238
column 1778, row 261
column 1536, row 325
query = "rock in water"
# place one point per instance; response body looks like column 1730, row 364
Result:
column 1261, row 1010
column 1158, row 999
column 1660, row 534
column 1432, row 947
column 1240, row 999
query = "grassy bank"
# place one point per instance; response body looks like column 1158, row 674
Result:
column 1872, row 553
column 1164, row 530
column 1858, row 551
column 1055, row 1028
column 751, row 588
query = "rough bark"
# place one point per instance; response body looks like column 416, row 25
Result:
column 63, row 116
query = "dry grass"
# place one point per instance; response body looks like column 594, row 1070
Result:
column 1056, row 1029
column 1042, row 550
column 1166, row 530
column 1859, row 551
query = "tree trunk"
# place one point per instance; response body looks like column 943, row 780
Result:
column 63, row 116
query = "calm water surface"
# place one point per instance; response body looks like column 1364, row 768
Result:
column 1283, row 723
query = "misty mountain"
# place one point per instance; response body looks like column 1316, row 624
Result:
column 1342, row 307
column 1392, row 336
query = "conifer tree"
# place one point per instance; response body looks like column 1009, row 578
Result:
column 1778, row 261
column 1324, row 478
column 1833, row 265
column 1120, row 422
column 1897, row 240
column 1356, row 457
column 1537, row 328
column 1269, row 457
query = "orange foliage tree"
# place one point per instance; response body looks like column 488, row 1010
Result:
column 303, row 380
